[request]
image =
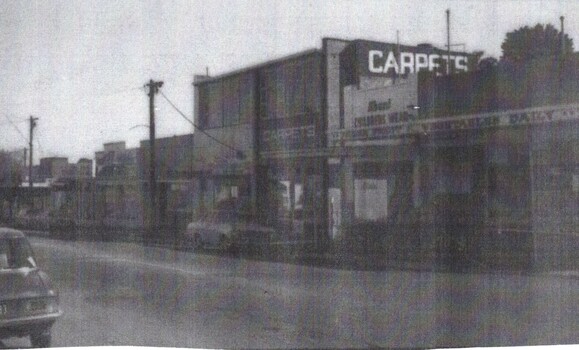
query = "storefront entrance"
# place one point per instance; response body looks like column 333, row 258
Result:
column 296, row 202
column 460, row 203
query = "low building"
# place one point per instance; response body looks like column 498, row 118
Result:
column 408, row 152
column 120, row 204
column 174, row 174
column 122, row 197
column 60, row 194
column 52, row 168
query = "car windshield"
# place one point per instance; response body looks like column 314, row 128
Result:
column 15, row 253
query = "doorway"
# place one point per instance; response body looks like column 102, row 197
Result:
column 460, row 204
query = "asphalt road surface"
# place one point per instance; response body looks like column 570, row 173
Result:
column 126, row 294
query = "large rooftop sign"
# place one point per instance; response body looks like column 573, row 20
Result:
column 367, row 58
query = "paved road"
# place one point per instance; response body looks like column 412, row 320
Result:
column 125, row 294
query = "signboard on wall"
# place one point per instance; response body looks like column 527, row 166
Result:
column 288, row 138
column 288, row 134
column 373, row 107
column 370, row 58
column 398, row 129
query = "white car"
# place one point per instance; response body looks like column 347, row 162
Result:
column 227, row 230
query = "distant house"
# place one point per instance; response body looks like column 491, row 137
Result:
column 122, row 185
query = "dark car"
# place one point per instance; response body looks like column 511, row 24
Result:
column 29, row 304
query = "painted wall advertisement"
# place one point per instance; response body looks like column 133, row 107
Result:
column 378, row 128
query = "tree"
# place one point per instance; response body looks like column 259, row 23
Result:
column 487, row 63
column 526, row 43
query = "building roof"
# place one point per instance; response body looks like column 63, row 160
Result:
column 169, row 141
column 257, row 66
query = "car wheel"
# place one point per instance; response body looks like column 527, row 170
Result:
column 41, row 340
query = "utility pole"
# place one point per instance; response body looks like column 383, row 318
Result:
column 153, row 89
column 32, row 125
column 448, row 41
column 561, row 60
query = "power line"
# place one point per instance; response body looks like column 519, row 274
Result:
column 17, row 129
column 238, row 153
column 121, row 91
column 18, row 121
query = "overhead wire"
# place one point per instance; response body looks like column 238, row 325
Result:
column 15, row 127
column 120, row 91
column 19, row 121
column 238, row 153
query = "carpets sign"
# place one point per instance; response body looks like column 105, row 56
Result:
column 369, row 58
column 390, row 62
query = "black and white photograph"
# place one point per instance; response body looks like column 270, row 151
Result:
column 289, row 174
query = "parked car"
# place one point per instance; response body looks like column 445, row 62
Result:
column 29, row 304
column 228, row 230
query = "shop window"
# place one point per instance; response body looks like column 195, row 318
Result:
column 313, row 84
column 212, row 95
column 269, row 89
column 371, row 199
column 334, row 198
column 246, row 97
column 296, row 89
column 227, row 102
column 299, row 198
column 284, row 189
column 224, row 192
column 282, row 76
column 334, row 211
column 234, row 192
column 231, row 101
column 292, row 90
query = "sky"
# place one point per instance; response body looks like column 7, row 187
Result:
column 80, row 66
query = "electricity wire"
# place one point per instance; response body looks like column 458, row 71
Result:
column 238, row 153
column 15, row 127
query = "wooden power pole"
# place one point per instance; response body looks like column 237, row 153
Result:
column 153, row 89
column 32, row 126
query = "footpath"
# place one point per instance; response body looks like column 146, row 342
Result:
column 341, row 260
